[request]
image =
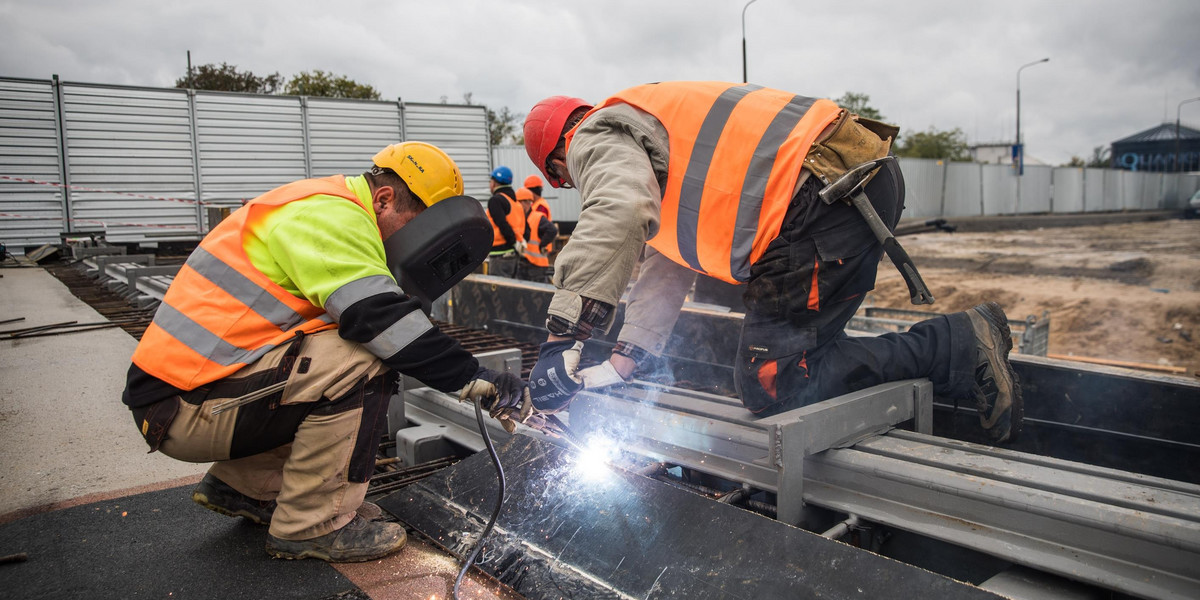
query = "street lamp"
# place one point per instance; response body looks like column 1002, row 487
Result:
column 744, row 79
column 1020, row 150
column 1178, row 168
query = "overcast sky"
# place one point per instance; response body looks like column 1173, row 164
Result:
column 1116, row 68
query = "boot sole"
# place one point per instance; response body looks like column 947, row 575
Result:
column 994, row 315
column 202, row 499
column 345, row 558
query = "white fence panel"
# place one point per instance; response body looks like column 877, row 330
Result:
column 30, row 213
column 343, row 135
column 963, row 190
column 1035, row 189
column 1068, row 190
column 461, row 131
column 999, row 190
column 248, row 144
column 923, row 180
column 1093, row 189
column 131, row 148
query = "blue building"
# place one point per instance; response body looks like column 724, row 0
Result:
column 1159, row 149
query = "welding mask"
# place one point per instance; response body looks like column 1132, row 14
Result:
column 439, row 247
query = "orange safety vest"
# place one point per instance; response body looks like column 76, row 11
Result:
column 540, row 205
column 736, row 154
column 533, row 252
column 515, row 219
column 220, row 313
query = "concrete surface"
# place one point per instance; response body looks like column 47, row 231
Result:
column 64, row 432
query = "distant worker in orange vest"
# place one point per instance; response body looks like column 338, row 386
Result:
column 508, row 224
column 534, row 183
column 540, row 232
column 722, row 179
column 278, row 346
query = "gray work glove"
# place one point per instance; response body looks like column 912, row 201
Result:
column 505, row 396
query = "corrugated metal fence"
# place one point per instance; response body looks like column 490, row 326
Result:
column 936, row 188
column 143, row 163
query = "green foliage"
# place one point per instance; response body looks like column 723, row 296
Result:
column 1100, row 159
column 227, row 78
column 858, row 104
column 327, row 85
column 945, row 145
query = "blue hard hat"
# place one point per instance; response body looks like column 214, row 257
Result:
column 502, row 175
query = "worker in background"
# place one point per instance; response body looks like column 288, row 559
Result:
column 722, row 179
column 278, row 346
column 508, row 224
column 540, row 233
column 534, row 184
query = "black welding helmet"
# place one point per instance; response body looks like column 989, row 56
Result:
column 439, row 247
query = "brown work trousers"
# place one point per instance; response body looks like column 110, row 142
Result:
column 310, row 447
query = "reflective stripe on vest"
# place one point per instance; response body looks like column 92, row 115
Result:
column 533, row 250
column 736, row 154
column 515, row 219
column 220, row 313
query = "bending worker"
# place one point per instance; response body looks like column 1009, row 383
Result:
column 508, row 224
column 722, row 179
column 278, row 346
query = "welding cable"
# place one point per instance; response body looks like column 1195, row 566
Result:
column 487, row 441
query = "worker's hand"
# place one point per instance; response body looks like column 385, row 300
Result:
column 519, row 247
column 601, row 375
column 504, row 395
column 555, row 379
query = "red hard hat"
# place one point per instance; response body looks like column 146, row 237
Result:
column 533, row 181
column 543, row 127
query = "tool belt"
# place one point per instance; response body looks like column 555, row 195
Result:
column 853, row 140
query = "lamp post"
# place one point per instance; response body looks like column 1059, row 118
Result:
column 1178, row 167
column 1020, row 149
column 744, row 79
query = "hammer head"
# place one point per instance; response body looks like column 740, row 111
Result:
column 852, row 181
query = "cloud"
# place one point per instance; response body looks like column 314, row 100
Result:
column 1115, row 68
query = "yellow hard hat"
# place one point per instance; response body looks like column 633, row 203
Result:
column 430, row 173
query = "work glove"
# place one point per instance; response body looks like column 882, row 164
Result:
column 519, row 247
column 554, row 379
column 504, row 395
column 601, row 375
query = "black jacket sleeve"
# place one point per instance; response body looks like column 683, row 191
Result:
column 434, row 358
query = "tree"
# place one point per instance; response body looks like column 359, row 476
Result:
column 327, row 85
column 1100, row 158
column 227, row 78
column 946, row 145
column 858, row 104
column 501, row 125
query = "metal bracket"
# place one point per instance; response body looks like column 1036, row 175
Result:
column 838, row 423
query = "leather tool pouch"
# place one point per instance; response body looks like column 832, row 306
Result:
column 852, row 141
column 154, row 421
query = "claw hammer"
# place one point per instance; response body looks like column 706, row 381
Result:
column 850, row 189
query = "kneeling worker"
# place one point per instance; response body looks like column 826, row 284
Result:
column 278, row 346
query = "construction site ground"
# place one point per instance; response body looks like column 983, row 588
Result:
column 1123, row 291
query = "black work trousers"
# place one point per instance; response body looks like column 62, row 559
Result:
column 805, row 289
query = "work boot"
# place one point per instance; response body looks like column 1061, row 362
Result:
column 360, row 540
column 997, row 392
column 216, row 495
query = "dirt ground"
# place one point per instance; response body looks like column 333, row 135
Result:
column 1127, row 292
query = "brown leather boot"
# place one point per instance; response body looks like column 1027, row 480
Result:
column 360, row 540
column 997, row 392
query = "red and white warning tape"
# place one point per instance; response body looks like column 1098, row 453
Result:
column 188, row 228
